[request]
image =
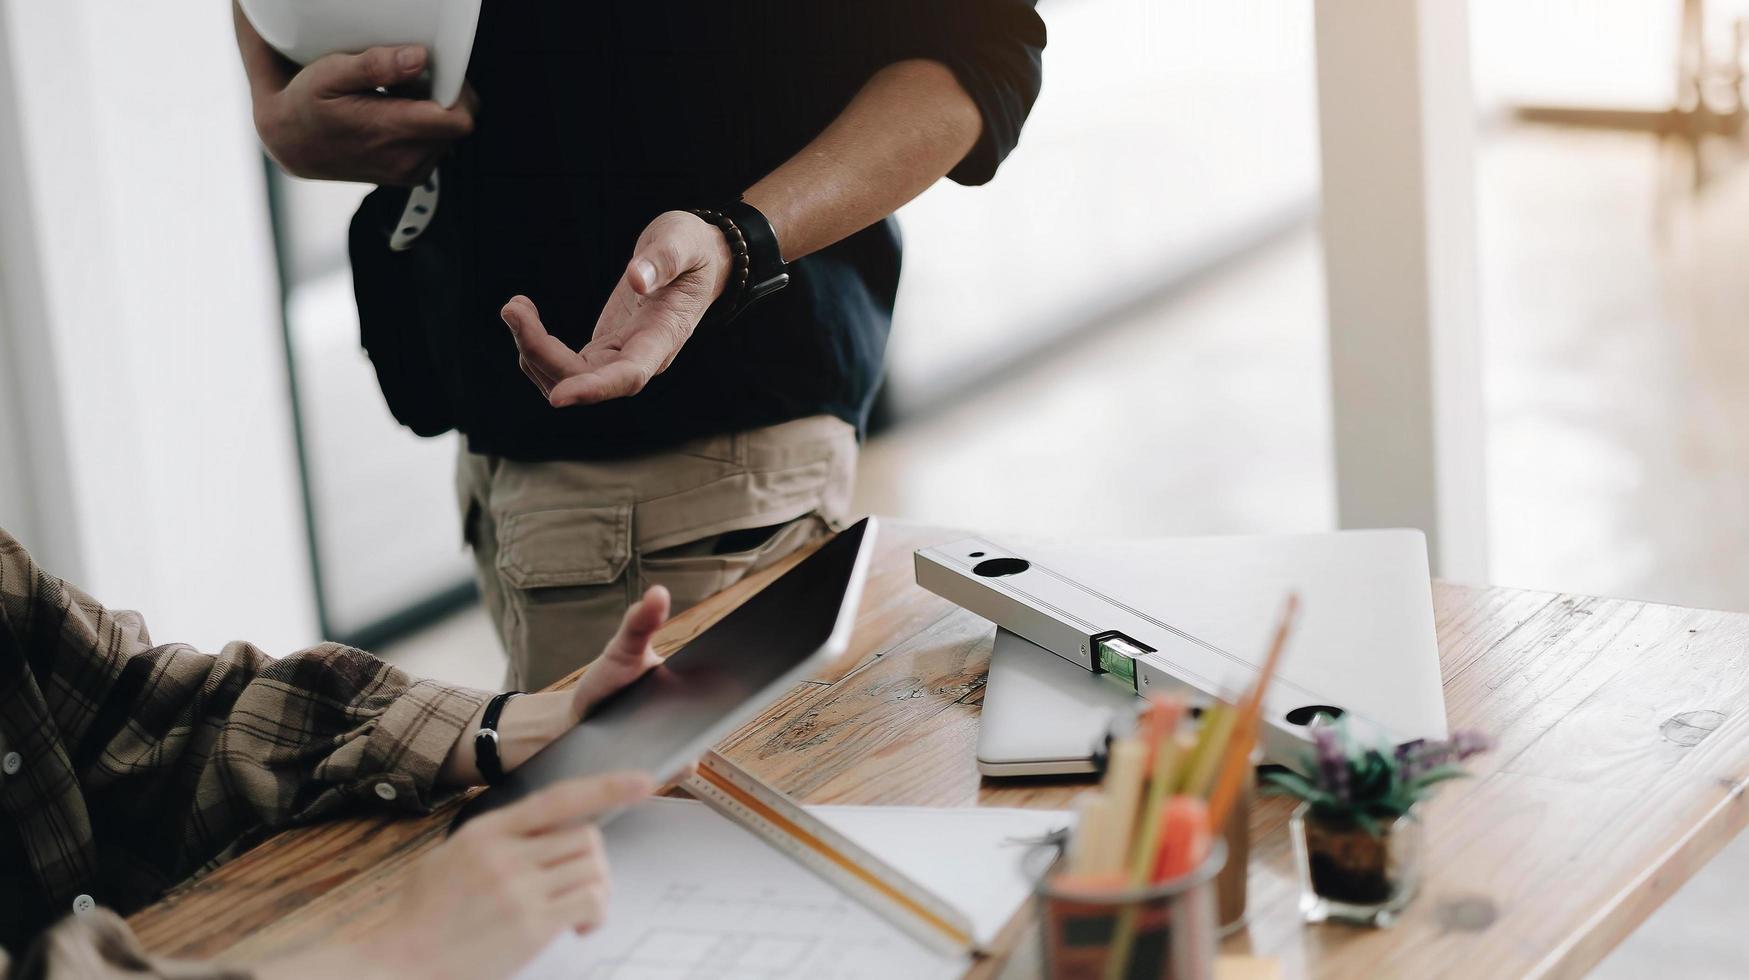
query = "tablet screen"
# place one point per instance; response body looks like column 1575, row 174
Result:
column 719, row 681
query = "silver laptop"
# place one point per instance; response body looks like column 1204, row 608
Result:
column 1198, row 613
column 1044, row 716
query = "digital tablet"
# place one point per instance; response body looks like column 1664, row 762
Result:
column 666, row 719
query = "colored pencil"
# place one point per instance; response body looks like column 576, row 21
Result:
column 1124, row 775
column 1185, row 836
column 1089, row 830
column 1164, row 715
column 1211, row 742
column 1236, row 766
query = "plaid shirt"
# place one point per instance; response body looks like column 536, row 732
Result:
column 127, row 767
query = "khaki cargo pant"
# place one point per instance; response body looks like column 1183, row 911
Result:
column 562, row 548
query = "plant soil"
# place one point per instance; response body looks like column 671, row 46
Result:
column 1348, row 864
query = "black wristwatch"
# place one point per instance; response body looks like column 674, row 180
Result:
column 757, row 267
column 486, row 758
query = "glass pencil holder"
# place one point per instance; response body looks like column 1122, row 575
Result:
column 1164, row 931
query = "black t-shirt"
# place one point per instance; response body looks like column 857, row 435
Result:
column 598, row 116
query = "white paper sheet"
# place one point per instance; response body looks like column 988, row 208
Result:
column 696, row 895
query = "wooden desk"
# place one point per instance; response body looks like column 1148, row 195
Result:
column 1624, row 746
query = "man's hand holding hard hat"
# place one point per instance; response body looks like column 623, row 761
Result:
column 340, row 117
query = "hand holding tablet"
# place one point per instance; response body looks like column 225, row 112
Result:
column 662, row 722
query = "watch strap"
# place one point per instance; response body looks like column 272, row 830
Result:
column 486, row 757
column 756, row 268
column 767, row 272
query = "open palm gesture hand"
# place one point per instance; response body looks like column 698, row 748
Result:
column 677, row 270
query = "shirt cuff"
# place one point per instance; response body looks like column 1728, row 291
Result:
column 98, row 944
column 413, row 738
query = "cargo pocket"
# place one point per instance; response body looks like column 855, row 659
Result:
column 565, row 548
column 695, row 572
column 565, row 585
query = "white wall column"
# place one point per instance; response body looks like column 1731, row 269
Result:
column 141, row 311
column 1397, row 131
column 33, row 468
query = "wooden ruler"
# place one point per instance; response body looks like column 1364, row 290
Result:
column 786, row 825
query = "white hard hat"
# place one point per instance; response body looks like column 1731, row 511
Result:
column 304, row 30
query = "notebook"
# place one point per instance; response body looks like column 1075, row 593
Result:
column 695, row 895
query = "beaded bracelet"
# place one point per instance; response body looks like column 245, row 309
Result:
column 739, row 257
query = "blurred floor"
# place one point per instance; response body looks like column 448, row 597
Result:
column 1617, row 360
column 1618, row 368
column 1203, row 413
column 461, row 648
column 1617, row 381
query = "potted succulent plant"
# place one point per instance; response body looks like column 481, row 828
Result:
column 1357, row 831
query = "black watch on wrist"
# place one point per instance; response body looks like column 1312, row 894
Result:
column 766, row 270
column 757, row 268
column 486, row 757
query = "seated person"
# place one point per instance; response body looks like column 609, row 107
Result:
column 127, row 767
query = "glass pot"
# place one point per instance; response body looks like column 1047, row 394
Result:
column 1352, row 875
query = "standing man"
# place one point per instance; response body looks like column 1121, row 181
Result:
column 681, row 211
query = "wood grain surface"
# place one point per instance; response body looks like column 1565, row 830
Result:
column 1624, row 749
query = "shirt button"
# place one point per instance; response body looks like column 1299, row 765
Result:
column 11, row 763
column 386, row 791
column 83, row 904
